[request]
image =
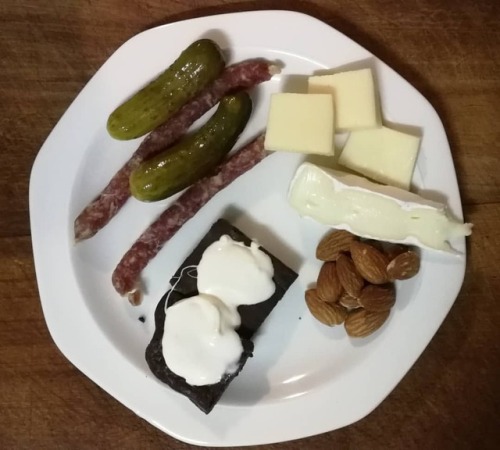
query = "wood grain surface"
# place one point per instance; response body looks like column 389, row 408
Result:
column 49, row 49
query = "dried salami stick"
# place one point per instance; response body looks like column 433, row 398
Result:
column 107, row 204
column 126, row 275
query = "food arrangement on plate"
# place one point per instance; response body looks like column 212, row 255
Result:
column 224, row 290
column 298, row 362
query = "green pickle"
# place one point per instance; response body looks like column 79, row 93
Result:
column 196, row 155
column 196, row 67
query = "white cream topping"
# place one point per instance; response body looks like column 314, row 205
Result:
column 199, row 342
column 371, row 210
column 235, row 273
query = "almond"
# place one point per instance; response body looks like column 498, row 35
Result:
column 370, row 262
column 348, row 301
column 393, row 250
column 327, row 313
column 333, row 244
column 378, row 298
column 362, row 323
column 379, row 245
column 328, row 284
column 349, row 277
column 404, row 266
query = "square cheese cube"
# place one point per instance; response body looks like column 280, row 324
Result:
column 382, row 154
column 354, row 98
column 300, row 123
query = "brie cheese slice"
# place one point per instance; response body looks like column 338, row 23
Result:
column 372, row 211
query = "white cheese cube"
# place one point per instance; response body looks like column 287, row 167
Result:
column 373, row 211
column 382, row 154
column 300, row 123
column 354, row 98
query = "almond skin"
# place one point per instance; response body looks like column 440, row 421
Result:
column 378, row 298
column 393, row 250
column 370, row 262
column 328, row 283
column 327, row 313
column 333, row 244
column 349, row 277
column 348, row 301
column 362, row 323
column 405, row 265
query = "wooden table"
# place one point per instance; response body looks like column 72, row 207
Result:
column 448, row 50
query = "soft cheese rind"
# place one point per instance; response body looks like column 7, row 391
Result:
column 371, row 210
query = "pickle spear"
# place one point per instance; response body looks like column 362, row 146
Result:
column 197, row 66
column 196, row 155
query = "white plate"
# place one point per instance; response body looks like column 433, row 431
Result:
column 301, row 369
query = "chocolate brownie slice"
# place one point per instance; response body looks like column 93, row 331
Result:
column 252, row 317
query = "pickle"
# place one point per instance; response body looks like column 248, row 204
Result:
column 194, row 69
column 196, row 155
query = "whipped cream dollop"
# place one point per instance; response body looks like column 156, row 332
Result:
column 199, row 342
column 235, row 273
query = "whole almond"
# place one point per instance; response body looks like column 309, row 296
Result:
column 348, row 301
column 370, row 262
column 393, row 250
column 404, row 266
column 327, row 313
column 379, row 245
column 328, row 283
column 362, row 323
column 378, row 298
column 349, row 277
column 333, row 244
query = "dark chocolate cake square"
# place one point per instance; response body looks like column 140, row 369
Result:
column 252, row 317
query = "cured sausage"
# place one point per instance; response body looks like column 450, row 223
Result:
column 126, row 275
column 106, row 205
